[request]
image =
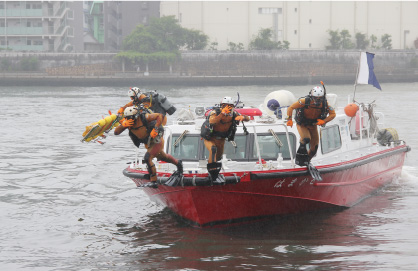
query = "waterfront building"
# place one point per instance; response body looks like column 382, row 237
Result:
column 305, row 24
column 41, row 26
column 71, row 26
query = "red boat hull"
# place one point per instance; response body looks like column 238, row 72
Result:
column 266, row 193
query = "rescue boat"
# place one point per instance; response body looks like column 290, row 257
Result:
column 356, row 156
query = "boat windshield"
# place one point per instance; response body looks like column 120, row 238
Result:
column 269, row 147
column 187, row 148
column 235, row 153
column 191, row 148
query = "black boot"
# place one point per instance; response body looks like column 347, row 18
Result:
column 213, row 170
column 176, row 178
column 302, row 158
column 180, row 167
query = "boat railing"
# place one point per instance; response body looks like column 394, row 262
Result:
column 366, row 114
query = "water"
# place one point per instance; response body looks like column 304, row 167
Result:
column 65, row 205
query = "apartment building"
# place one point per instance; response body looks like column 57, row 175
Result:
column 121, row 17
column 305, row 24
column 41, row 26
column 71, row 26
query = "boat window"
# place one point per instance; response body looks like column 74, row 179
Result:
column 231, row 152
column 187, row 148
column 330, row 139
column 269, row 149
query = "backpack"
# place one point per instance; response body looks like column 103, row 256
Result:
column 159, row 103
column 300, row 117
column 206, row 131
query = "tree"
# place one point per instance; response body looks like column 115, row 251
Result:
column 373, row 40
column 163, row 35
column 346, row 42
column 285, row 45
column 361, row 41
column 334, row 40
column 195, row 40
column 263, row 41
column 160, row 41
column 386, row 41
column 236, row 47
column 213, row 46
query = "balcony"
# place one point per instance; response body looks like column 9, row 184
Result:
column 21, row 13
column 21, row 31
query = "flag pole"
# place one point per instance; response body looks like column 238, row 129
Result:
column 355, row 83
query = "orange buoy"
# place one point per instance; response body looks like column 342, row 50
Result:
column 351, row 110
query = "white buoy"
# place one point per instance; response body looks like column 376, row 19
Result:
column 276, row 102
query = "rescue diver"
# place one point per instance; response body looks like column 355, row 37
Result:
column 148, row 128
column 137, row 98
column 223, row 122
column 311, row 111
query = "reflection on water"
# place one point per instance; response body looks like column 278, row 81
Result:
column 65, row 205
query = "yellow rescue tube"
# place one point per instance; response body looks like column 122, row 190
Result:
column 97, row 129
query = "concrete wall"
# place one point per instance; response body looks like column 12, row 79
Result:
column 227, row 67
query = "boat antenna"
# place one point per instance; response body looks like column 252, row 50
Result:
column 237, row 100
column 355, row 83
column 325, row 90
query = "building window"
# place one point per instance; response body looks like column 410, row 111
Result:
column 70, row 32
column 145, row 19
column 38, row 42
column 28, row 42
column 269, row 10
column 296, row 9
column 180, row 17
column 310, row 21
column 28, row 24
column 70, row 14
column 296, row 32
column 144, row 5
column 310, row 45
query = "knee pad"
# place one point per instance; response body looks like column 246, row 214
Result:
column 147, row 159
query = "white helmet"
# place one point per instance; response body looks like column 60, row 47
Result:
column 227, row 100
column 134, row 92
column 317, row 92
column 130, row 111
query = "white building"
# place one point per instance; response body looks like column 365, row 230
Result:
column 304, row 24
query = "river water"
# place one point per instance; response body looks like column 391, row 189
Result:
column 65, row 205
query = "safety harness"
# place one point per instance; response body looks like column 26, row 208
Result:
column 148, row 125
column 207, row 129
column 300, row 116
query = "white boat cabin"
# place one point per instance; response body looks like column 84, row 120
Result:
column 270, row 144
